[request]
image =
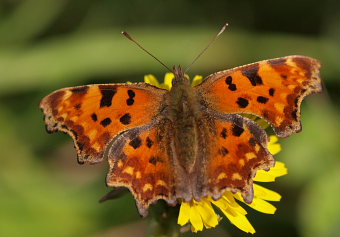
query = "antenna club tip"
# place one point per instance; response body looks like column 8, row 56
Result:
column 126, row 35
column 223, row 29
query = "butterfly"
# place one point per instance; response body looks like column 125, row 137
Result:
column 190, row 142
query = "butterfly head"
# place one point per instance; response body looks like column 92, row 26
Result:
column 179, row 76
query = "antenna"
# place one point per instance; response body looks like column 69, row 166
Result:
column 140, row 46
column 205, row 49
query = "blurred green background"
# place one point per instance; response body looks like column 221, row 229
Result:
column 49, row 44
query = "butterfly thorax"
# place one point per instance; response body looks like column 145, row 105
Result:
column 183, row 113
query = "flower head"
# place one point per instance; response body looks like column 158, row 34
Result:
column 201, row 214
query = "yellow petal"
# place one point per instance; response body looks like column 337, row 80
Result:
column 278, row 170
column 266, row 194
column 230, row 197
column 169, row 76
column 273, row 147
column 184, row 213
column 195, row 219
column 273, row 139
column 269, row 176
column 263, row 176
column 234, row 212
column 151, row 79
column 207, row 213
column 197, row 80
column 239, row 220
column 262, row 206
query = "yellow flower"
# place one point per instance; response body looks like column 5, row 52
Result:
column 202, row 214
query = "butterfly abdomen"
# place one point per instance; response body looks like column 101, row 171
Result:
column 183, row 112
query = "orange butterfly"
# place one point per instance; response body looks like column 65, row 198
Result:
column 189, row 142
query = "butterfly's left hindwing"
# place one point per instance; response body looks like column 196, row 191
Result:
column 141, row 160
column 93, row 115
column 271, row 89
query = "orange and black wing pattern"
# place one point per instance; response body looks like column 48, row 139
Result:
column 237, row 148
column 94, row 114
column 141, row 160
column 271, row 89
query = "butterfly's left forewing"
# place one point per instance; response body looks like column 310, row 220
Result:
column 95, row 114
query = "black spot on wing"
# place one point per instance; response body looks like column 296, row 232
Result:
column 153, row 160
column 224, row 133
column 223, row 151
column 130, row 101
column 105, row 122
column 251, row 72
column 136, row 142
column 237, row 130
column 125, row 119
column 242, row 102
column 271, row 91
column 79, row 89
column 77, row 106
column 229, row 82
column 80, row 146
column 131, row 93
column 277, row 61
column 94, row 117
column 252, row 141
column 232, row 87
column 294, row 115
column 149, row 142
column 262, row 99
column 107, row 92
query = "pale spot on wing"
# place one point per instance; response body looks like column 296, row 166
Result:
column 250, row 155
column 96, row 146
column 138, row 175
column 84, row 124
column 128, row 170
column 221, row 176
column 120, row 163
column 67, row 94
column 291, row 87
column 257, row 147
column 74, row 118
column 302, row 79
column 147, row 187
column 278, row 120
column 290, row 62
column 236, row 176
column 161, row 183
column 64, row 115
column 241, row 162
column 92, row 134
column 279, row 107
